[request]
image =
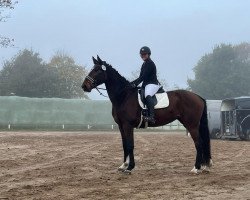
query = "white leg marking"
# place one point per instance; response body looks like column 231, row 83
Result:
column 210, row 163
column 124, row 165
column 206, row 168
column 195, row 171
column 127, row 160
column 127, row 172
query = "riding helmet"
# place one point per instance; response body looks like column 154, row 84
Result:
column 145, row 50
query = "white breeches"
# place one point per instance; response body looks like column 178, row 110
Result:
column 151, row 89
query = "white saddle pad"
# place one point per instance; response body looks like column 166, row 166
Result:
column 162, row 100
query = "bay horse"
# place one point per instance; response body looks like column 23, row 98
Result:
column 187, row 107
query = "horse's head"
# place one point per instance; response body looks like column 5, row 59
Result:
column 96, row 77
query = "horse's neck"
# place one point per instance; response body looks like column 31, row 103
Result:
column 116, row 89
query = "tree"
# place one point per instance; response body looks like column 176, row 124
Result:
column 26, row 74
column 5, row 4
column 71, row 75
column 223, row 73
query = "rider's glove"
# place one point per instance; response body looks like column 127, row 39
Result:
column 133, row 85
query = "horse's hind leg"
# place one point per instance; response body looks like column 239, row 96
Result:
column 194, row 132
column 206, row 168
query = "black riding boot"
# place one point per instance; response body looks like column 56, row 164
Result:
column 150, row 106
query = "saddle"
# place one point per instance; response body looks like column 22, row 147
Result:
column 160, row 98
column 160, row 101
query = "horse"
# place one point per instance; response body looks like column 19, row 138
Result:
column 185, row 106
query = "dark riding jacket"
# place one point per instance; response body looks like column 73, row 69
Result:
column 147, row 74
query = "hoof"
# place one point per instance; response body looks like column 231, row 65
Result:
column 195, row 171
column 206, row 169
column 127, row 172
column 123, row 167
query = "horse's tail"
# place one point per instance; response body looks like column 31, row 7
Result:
column 204, row 137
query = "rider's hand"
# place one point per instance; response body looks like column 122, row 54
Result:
column 133, row 85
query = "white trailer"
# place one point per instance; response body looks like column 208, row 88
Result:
column 213, row 116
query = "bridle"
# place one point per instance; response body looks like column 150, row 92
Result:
column 93, row 82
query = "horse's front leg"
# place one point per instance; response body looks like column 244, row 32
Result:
column 125, row 163
column 129, row 135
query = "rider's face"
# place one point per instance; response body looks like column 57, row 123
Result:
column 144, row 56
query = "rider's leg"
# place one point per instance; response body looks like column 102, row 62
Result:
column 150, row 91
column 150, row 106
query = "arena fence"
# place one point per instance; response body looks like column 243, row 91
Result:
column 21, row 113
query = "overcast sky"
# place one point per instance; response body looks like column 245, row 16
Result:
column 179, row 32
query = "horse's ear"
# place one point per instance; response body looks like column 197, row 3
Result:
column 99, row 59
column 94, row 61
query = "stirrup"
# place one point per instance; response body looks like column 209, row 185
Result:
column 149, row 119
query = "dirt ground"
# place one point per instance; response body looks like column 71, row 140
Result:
column 74, row 165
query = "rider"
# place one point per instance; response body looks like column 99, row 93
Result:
column 150, row 83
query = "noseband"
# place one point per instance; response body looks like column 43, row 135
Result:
column 93, row 81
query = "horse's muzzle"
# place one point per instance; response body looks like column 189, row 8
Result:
column 86, row 88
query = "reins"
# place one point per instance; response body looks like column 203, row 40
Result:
column 98, row 89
